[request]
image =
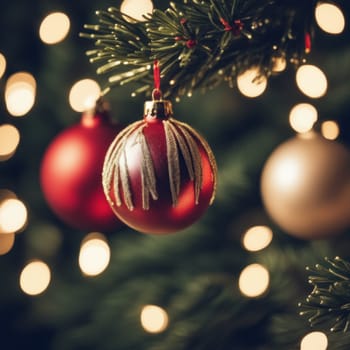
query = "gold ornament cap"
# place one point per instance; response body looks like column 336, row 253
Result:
column 158, row 109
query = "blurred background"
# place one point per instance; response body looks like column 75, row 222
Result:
column 230, row 281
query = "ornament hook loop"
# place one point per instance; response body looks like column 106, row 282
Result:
column 157, row 95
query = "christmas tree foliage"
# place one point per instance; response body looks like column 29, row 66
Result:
column 244, row 275
column 199, row 44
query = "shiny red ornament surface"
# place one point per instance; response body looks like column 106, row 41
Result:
column 162, row 215
column 70, row 174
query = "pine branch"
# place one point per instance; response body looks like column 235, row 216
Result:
column 329, row 302
column 199, row 43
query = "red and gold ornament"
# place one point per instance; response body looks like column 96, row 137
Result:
column 159, row 174
column 71, row 168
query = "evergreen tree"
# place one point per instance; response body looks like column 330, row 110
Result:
column 201, row 47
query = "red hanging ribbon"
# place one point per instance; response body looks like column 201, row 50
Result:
column 156, row 76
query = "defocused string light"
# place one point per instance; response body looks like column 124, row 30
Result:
column 2, row 65
column 311, row 81
column 257, row 238
column 314, row 341
column 279, row 64
column 19, row 99
column 154, row 319
column 7, row 241
column 302, row 117
column 13, row 215
column 9, row 140
column 21, row 77
column 54, row 28
column 254, row 280
column 251, row 84
column 83, row 95
column 330, row 129
column 35, row 278
column 20, row 91
column 329, row 18
column 136, row 9
column 94, row 255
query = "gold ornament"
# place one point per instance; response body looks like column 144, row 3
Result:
column 305, row 186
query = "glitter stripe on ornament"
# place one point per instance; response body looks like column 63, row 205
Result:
column 173, row 162
column 181, row 140
column 209, row 152
column 115, row 151
column 148, row 176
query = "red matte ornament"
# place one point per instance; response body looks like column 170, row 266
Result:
column 70, row 173
column 159, row 174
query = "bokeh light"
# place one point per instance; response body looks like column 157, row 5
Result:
column 19, row 99
column 330, row 129
column 54, row 28
column 21, row 77
column 254, row 280
column 7, row 241
column 13, row 215
column 302, row 117
column 154, row 319
column 330, row 18
column 311, row 81
column 251, row 83
column 84, row 94
column 2, row 65
column 9, row 140
column 20, row 91
column 35, row 278
column 94, row 254
column 136, row 8
column 314, row 341
column 257, row 238
column 279, row 64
